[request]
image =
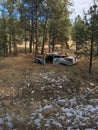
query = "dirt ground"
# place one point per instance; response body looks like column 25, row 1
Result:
column 47, row 97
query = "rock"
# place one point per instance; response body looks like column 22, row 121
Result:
column 33, row 91
column 91, row 84
column 60, row 86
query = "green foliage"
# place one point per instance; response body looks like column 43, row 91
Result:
column 59, row 23
column 3, row 37
column 93, row 23
column 80, row 31
column 34, row 20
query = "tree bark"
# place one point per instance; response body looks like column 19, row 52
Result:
column 44, row 37
column 49, row 45
column 67, row 46
column 91, row 51
column 53, row 46
column 97, row 50
column 30, row 45
column 10, row 44
column 31, row 36
column 36, row 29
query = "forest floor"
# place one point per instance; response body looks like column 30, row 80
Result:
column 47, row 97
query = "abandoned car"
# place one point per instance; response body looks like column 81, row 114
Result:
column 56, row 58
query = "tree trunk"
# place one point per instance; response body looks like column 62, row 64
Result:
column 25, row 46
column 10, row 44
column 37, row 29
column 43, row 44
column 91, row 51
column 67, row 46
column 77, row 46
column 37, row 40
column 15, row 49
column 4, row 38
column 44, row 38
column 30, row 45
column 25, row 42
column 31, row 36
column 14, row 44
column 97, row 50
column 53, row 46
column 49, row 44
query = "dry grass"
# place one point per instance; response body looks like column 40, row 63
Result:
column 17, row 95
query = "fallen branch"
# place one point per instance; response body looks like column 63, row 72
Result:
column 92, row 90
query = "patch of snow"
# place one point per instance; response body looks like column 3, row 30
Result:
column 8, row 118
column 37, row 122
column 40, row 116
column 57, row 123
column 49, row 76
column 69, row 128
column 61, row 100
column 47, row 107
column 42, row 88
column 89, row 129
column 57, row 111
column 10, row 125
column 62, row 117
column 1, row 121
column 53, row 121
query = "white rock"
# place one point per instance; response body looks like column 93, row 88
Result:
column 28, row 84
column 33, row 91
column 60, row 86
